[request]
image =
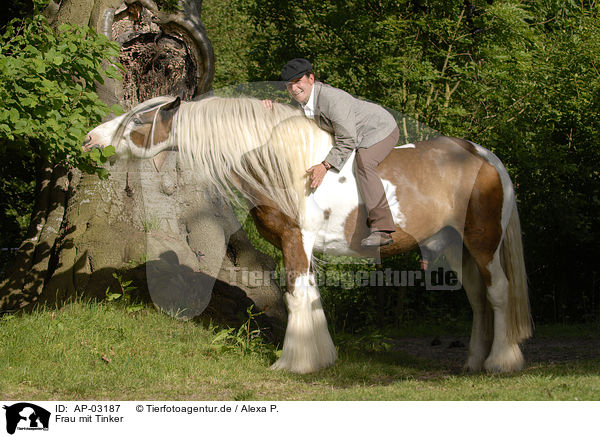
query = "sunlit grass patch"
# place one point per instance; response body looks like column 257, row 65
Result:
column 100, row 351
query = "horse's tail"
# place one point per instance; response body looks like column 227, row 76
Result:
column 520, row 325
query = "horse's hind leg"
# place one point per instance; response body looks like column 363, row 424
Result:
column 505, row 355
column 481, row 330
column 483, row 237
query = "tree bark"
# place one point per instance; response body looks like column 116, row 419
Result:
column 153, row 222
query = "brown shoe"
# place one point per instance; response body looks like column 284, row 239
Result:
column 376, row 239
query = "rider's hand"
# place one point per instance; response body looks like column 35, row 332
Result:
column 317, row 173
column 268, row 103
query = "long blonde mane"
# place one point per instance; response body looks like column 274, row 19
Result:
column 262, row 152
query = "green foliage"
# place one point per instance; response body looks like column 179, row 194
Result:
column 151, row 224
column 17, row 185
column 245, row 339
column 521, row 78
column 16, row 9
column 369, row 342
column 125, row 295
column 168, row 5
column 229, row 31
column 47, row 105
column 47, row 92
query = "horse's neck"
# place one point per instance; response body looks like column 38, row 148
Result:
column 269, row 152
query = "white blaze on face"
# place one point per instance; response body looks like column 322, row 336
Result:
column 102, row 136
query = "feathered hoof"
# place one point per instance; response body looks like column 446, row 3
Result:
column 474, row 364
column 300, row 368
column 307, row 346
column 509, row 360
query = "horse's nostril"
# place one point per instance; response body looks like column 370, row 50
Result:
column 88, row 147
column 86, row 143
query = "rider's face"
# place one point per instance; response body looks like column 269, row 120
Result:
column 301, row 88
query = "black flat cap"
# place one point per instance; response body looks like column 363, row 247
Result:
column 294, row 69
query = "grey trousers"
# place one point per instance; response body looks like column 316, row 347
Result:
column 370, row 185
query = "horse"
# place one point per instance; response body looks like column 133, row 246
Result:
column 448, row 196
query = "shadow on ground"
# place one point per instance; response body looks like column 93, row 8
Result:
column 439, row 358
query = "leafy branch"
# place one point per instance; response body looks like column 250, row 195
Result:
column 48, row 100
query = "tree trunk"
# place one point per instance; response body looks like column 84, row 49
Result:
column 153, row 222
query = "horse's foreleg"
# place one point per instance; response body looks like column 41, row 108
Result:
column 307, row 345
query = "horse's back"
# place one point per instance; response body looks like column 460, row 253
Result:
column 433, row 183
column 434, row 169
column 442, row 151
column 428, row 187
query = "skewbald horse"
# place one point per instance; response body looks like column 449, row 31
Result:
column 449, row 196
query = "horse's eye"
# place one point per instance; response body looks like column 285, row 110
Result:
column 137, row 121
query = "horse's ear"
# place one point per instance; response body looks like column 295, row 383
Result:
column 166, row 113
column 172, row 106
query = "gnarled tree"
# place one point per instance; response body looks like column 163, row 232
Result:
column 155, row 222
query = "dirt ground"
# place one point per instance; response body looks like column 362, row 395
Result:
column 451, row 352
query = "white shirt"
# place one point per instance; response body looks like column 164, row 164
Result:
column 309, row 108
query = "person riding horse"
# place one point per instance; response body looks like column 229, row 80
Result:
column 358, row 126
column 450, row 196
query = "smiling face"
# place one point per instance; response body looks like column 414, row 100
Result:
column 301, row 88
column 142, row 133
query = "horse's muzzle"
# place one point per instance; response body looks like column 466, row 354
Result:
column 87, row 145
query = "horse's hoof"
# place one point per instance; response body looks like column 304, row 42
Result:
column 511, row 360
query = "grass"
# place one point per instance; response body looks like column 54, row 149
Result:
column 100, row 351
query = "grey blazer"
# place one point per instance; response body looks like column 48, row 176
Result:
column 353, row 122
